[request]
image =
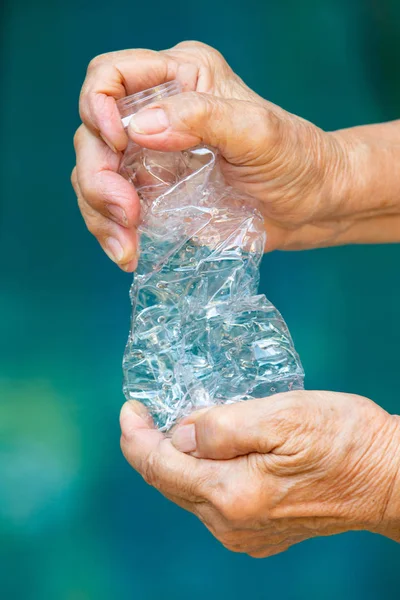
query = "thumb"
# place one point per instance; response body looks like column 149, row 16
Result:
column 239, row 129
column 232, row 430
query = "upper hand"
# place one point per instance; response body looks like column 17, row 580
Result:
column 265, row 474
column 299, row 173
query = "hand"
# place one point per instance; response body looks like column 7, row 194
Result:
column 300, row 174
column 265, row 474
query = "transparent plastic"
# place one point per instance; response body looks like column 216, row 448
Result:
column 200, row 334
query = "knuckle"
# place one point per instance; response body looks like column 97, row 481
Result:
column 266, row 133
column 94, row 223
column 215, row 425
column 268, row 551
column 232, row 547
column 237, row 507
column 222, row 419
column 229, row 507
column 104, row 105
column 259, row 553
column 81, row 205
column 203, row 487
column 202, row 47
column 272, row 120
column 78, row 138
column 113, row 58
column 74, row 179
column 92, row 192
column 195, row 109
column 215, row 55
column 291, row 414
column 92, row 227
column 215, row 420
column 149, row 471
column 229, row 538
column 232, row 511
column 239, row 540
column 192, row 108
column 194, row 44
column 270, row 125
column 97, row 61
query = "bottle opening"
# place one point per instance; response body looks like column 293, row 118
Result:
column 130, row 105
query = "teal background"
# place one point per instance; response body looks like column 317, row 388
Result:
column 76, row 523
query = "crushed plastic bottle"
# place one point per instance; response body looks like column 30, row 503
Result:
column 200, row 334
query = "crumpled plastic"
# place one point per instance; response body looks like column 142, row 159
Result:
column 200, row 334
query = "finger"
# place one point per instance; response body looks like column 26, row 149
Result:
column 115, row 75
column 102, row 187
column 109, row 204
column 242, row 131
column 224, row 432
column 160, row 464
column 119, row 243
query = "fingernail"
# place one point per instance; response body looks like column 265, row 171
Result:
column 109, row 144
column 140, row 409
column 128, row 268
column 184, row 438
column 128, row 419
column 132, row 417
column 132, row 264
column 149, row 121
column 114, row 249
column 118, row 213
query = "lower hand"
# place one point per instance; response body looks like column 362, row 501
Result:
column 265, row 474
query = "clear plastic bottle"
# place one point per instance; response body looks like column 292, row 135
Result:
column 200, row 334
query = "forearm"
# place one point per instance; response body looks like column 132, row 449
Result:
column 369, row 191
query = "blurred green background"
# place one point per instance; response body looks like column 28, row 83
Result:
column 76, row 523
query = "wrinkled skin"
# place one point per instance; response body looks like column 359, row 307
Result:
column 263, row 474
column 269, row 473
column 299, row 173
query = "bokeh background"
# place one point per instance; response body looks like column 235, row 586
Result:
column 76, row 523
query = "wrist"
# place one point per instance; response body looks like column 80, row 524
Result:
column 389, row 523
column 365, row 180
column 338, row 176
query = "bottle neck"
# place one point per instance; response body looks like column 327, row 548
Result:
column 130, row 105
